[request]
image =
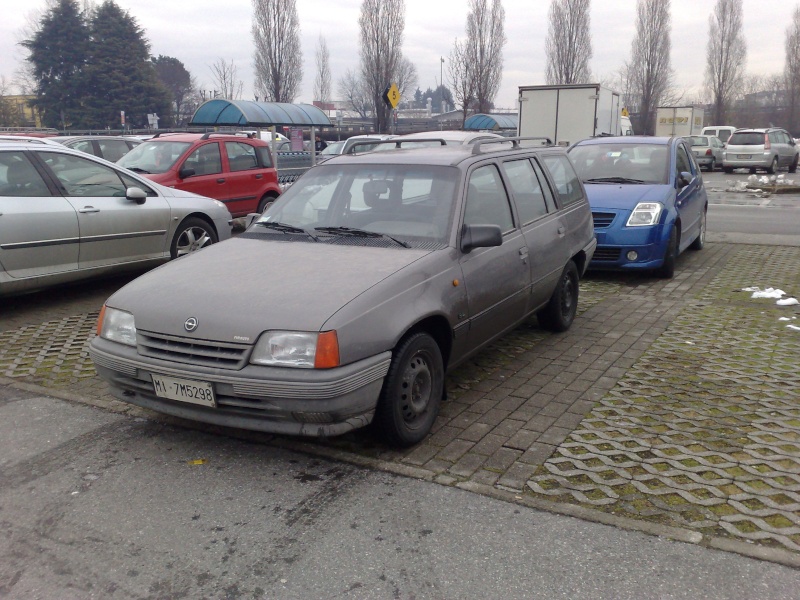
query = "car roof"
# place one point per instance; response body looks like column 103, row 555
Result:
column 449, row 135
column 26, row 139
column 194, row 137
column 626, row 139
column 68, row 138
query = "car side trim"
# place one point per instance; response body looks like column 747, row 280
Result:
column 39, row 243
column 122, row 236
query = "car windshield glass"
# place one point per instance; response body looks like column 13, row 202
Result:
column 413, row 203
column 153, row 157
column 753, row 138
column 621, row 163
column 698, row 140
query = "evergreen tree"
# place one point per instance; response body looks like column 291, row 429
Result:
column 58, row 51
column 118, row 73
column 177, row 80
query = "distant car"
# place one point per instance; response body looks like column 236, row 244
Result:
column 723, row 132
column 768, row 149
column 707, row 150
column 112, row 148
column 648, row 201
column 450, row 137
column 357, row 143
column 234, row 169
column 366, row 280
column 66, row 216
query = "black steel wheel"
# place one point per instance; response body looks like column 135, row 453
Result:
column 560, row 311
column 412, row 391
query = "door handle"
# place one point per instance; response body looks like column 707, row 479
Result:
column 523, row 254
column 259, row 176
column 88, row 209
column 221, row 180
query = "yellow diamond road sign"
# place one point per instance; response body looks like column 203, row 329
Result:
column 392, row 96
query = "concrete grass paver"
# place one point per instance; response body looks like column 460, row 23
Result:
column 669, row 403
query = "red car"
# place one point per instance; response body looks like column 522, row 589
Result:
column 234, row 169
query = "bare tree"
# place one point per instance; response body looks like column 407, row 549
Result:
column 355, row 93
column 486, row 38
column 569, row 45
column 649, row 69
column 278, row 60
column 725, row 56
column 792, row 72
column 462, row 80
column 322, row 81
column 226, row 80
column 406, row 77
column 382, row 23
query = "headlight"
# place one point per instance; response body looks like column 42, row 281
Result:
column 645, row 213
column 297, row 349
column 117, row 326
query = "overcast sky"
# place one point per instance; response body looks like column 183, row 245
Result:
column 199, row 32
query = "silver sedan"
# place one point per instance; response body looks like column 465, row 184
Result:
column 65, row 216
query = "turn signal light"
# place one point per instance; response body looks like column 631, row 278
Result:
column 100, row 320
column 327, row 356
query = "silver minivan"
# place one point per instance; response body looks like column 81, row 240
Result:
column 767, row 149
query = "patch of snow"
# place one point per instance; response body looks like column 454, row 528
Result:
column 793, row 327
column 767, row 293
column 788, row 302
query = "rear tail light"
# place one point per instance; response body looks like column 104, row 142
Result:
column 708, row 152
column 767, row 145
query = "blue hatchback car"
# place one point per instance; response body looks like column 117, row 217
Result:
column 648, row 201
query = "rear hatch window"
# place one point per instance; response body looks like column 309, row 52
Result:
column 747, row 139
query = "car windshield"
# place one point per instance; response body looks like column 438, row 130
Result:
column 699, row 140
column 153, row 156
column 412, row 203
column 621, row 163
column 753, row 138
column 334, row 148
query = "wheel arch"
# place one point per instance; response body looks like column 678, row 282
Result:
column 439, row 329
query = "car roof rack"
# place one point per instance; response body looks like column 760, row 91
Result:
column 397, row 143
column 247, row 134
column 476, row 145
column 160, row 133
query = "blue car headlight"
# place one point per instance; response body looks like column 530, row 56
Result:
column 645, row 214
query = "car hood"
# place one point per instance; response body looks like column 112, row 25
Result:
column 242, row 287
column 625, row 197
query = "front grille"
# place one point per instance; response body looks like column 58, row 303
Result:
column 607, row 253
column 204, row 353
column 602, row 220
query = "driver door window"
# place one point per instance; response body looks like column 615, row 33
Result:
column 205, row 160
column 487, row 201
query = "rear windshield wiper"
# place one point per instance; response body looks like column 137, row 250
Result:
column 286, row 228
column 352, row 231
column 612, row 180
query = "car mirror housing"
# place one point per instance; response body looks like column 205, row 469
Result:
column 136, row 194
column 684, row 179
column 186, row 172
column 480, row 236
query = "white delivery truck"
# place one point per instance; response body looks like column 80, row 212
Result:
column 679, row 120
column 568, row 113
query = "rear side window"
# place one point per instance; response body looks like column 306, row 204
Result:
column 566, row 181
column 18, row 177
column 264, row 156
column 83, row 146
column 753, row 138
column 527, row 190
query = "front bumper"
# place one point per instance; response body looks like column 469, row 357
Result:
column 614, row 243
column 290, row 401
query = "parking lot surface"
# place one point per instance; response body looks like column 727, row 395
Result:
column 670, row 402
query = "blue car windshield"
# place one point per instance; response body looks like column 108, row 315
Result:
column 621, row 163
column 411, row 202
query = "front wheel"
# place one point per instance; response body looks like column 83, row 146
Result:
column 713, row 165
column 265, row 203
column 700, row 241
column 193, row 234
column 667, row 269
column 793, row 166
column 560, row 311
column 412, row 392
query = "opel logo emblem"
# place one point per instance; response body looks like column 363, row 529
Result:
column 190, row 324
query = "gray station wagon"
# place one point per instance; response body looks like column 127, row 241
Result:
column 364, row 282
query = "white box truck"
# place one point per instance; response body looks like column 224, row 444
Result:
column 568, row 113
column 679, row 120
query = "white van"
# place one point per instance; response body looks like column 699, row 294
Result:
column 625, row 125
column 723, row 132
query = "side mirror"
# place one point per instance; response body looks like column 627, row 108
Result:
column 186, row 172
column 684, row 179
column 480, row 236
column 136, row 194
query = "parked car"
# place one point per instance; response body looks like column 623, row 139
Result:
column 66, row 215
column 346, row 146
column 723, row 132
column 450, row 137
column 648, row 201
column 234, row 169
column 768, row 149
column 376, row 272
column 111, row 148
column 707, row 150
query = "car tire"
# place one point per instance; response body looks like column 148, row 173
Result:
column 713, row 165
column 700, row 241
column 265, row 203
column 793, row 166
column 728, row 170
column 192, row 234
column 412, row 391
column 560, row 311
column 667, row 268
column 773, row 167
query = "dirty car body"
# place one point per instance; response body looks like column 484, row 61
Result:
column 373, row 274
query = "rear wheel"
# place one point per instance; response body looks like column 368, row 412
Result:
column 265, row 203
column 667, row 269
column 728, row 169
column 560, row 311
column 793, row 166
column 192, row 234
column 700, row 241
column 773, row 167
column 713, row 165
column 412, row 391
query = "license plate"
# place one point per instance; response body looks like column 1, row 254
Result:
column 743, row 156
column 184, row 390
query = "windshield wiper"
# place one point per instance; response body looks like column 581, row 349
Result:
column 138, row 170
column 352, row 231
column 286, row 228
column 612, row 180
